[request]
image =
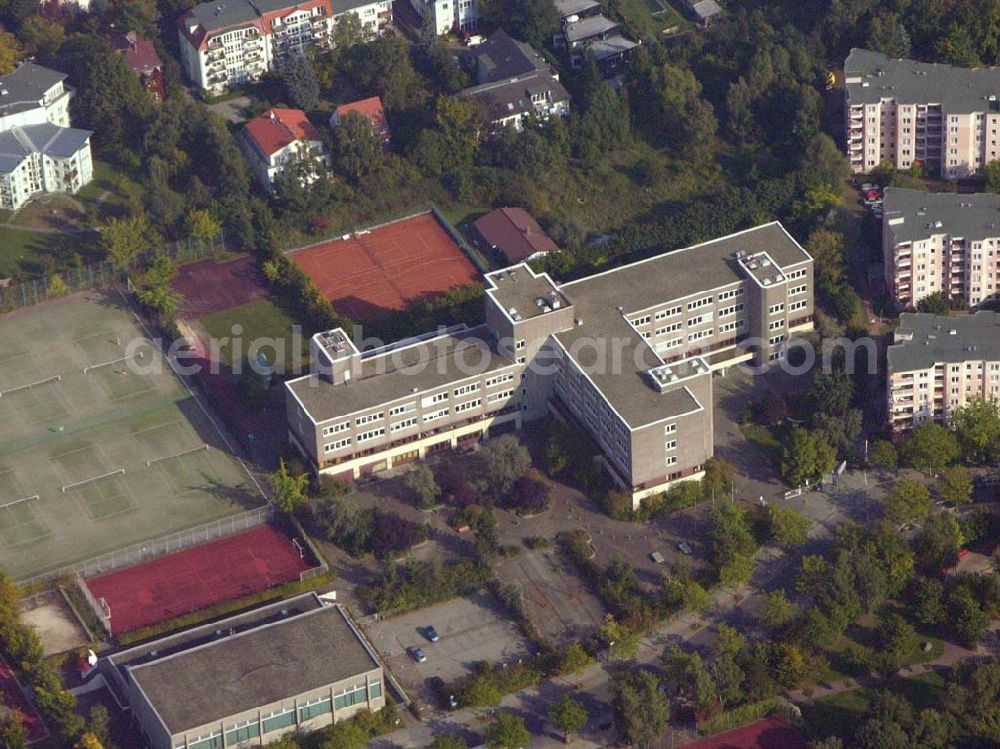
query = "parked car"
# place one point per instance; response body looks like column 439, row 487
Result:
column 685, row 548
column 432, row 634
column 418, row 654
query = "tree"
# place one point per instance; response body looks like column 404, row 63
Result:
column 683, row 593
column 641, row 709
column 532, row 494
column 124, row 239
column 459, row 124
column 813, row 574
column 667, row 99
column 42, row 36
column 359, row 149
column 201, row 224
column 827, row 250
column 10, row 52
column 162, row 299
column 934, row 304
column 345, row 734
column 532, row 21
column 621, row 642
column 568, row 716
column 806, row 458
column 719, row 477
column 301, row 84
column 505, row 461
column 939, row 543
column 882, row 455
column 774, row 409
column 929, row 448
column 290, row 491
column 955, row 485
column 420, row 481
column 732, row 543
column 88, row 741
column 777, row 610
column 977, row 426
column 13, row 734
column 446, row 742
column 787, row 527
column 908, row 502
column 507, row 732
column 832, row 392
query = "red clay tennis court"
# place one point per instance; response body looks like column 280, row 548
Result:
column 388, row 267
column 769, row 733
column 14, row 697
column 198, row 577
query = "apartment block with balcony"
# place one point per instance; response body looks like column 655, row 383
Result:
column 42, row 158
column 626, row 355
column 947, row 243
column 233, row 42
column 937, row 364
column 904, row 112
column 32, row 95
column 445, row 16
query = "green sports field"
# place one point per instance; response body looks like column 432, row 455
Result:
column 102, row 447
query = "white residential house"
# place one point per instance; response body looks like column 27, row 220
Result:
column 273, row 139
column 31, row 95
column 39, row 151
column 42, row 158
column 449, row 15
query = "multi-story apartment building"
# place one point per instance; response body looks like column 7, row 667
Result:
column 515, row 82
column 938, row 364
column 445, row 16
column 947, row 243
column 31, row 95
column 229, row 43
column 42, row 158
column 275, row 138
column 39, row 152
column 295, row 665
column 905, row 112
column 626, row 355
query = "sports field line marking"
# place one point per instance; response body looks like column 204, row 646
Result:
column 119, row 472
column 18, row 501
column 155, row 427
column 111, row 362
column 181, row 454
column 194, row 395
column 36, row 383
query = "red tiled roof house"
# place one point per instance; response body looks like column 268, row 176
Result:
column 273, row 139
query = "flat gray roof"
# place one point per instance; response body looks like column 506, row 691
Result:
column 393, row 375
column 936, row 338
column 588, row 27
column 566, row 8
column 602, row 49
column 649, row 283
column 254, row 668
column 25, row 86
column 969, row 216
column 958, row 90
column 517, row 289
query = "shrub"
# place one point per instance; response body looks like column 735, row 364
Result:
column 532, row 494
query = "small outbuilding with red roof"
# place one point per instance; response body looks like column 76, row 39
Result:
column 272, row 140
column 514, row 234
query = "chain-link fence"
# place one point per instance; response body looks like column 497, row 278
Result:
column 140, row 552
column 32, row 291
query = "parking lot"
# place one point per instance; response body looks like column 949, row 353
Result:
column 471, row 629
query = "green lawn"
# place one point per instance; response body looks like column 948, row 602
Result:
column 842, row 713
column 110, row 182
column 260, row 320
column 21, row 252
column 638, row 15
column 764, row 439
